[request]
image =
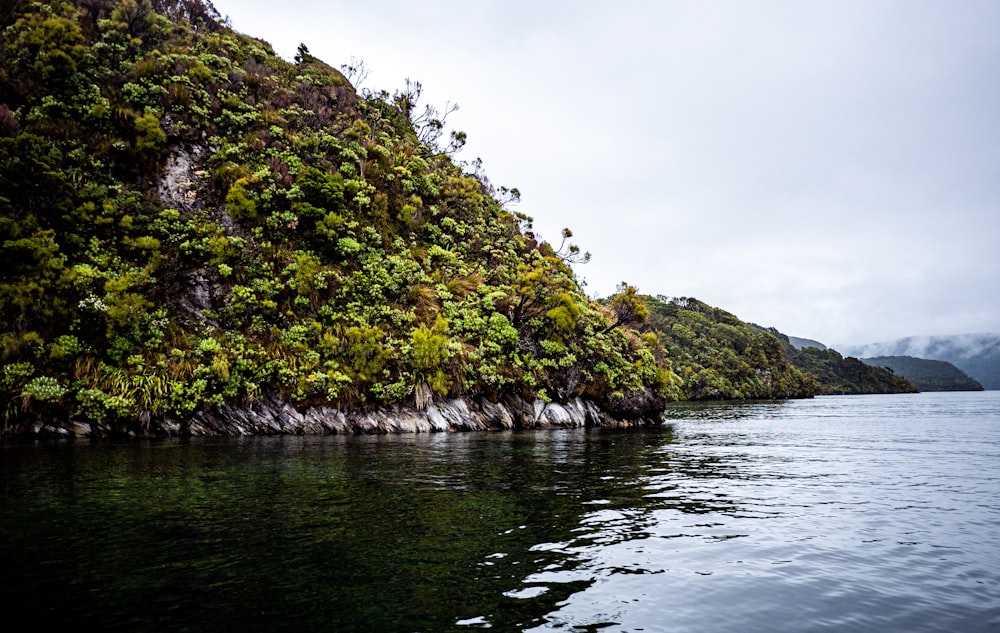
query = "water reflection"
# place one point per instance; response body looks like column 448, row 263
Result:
column 801, row 514
column 411, row 533
column 726, row 410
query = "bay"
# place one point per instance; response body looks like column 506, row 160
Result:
column 857, row 513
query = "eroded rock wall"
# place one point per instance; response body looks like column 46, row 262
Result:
column 275, row 417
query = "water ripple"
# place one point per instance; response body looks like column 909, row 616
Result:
column 832, row 514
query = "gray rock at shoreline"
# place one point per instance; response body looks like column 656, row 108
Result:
column 273, row 416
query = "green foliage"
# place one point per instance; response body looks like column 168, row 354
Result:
column 628, row 307
column 186, row 219
column 838, row 375
column 717, row 356
column 149, row 135
column 44, row 389
column 429, row 350
column 564, row 316
column 927, row 375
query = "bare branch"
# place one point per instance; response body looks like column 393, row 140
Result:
column 356, row 71
column 570, row 253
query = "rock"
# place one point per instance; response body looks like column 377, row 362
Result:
column 182, row 180
column 199, row 294
column 634, row 406
column 273, row 416
column 557, row 415
column 495, row 415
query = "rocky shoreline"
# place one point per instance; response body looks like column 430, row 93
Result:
column 273, row 416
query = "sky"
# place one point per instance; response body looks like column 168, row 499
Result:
column 828, row 168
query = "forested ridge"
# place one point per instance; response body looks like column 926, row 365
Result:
column 840, row 375
column 188, row 220
column 719, row 357
column 927, row 375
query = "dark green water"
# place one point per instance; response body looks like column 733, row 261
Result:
column 874, row 513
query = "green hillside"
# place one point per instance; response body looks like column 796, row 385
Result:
column 186, row 219
column 839, row 375
column 799, row 343
column 927, row 375
column 717, row 356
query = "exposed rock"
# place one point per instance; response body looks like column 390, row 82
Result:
column 183, row 181
column 633, row 405
column 200, row 294
column 272, row 416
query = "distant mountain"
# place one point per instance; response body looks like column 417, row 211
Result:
column 716, row 356
column 978, row 355
column 801, row 343
column 927, row 375
column 846, row 375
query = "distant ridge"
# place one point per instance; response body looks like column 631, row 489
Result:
column 978, row 355
column 927, row 375
column 802, row 343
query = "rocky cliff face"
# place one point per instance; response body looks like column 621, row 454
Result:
column 275, row 417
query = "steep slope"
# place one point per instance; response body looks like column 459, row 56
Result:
column 189, row 222
column 717, row 356
column 927, row 375
column 799, row 343
column 978, row 355
column 840, row 375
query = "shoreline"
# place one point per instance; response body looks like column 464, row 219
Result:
column 273, row 416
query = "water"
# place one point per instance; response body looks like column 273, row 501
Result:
column 869, row 513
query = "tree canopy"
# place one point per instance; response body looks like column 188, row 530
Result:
column 186, row 219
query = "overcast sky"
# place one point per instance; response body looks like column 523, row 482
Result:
column 831, row 169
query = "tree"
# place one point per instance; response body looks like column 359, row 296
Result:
column 135, row 15
column 302, row 55
column 629, row 309
column 429, row 124
column 570, row 253
column 356, row 72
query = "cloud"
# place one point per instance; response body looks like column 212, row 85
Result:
column 830, row 169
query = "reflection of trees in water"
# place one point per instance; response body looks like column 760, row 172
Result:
column 383, row 533
column 724, row 410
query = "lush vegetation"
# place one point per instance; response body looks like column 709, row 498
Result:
column 927, row 375
column 839, row 375
column 978, row 355
column 717, row 356
column 188, row 219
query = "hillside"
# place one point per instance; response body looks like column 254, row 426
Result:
column 199, row 237
column 927, row 375
column 978, row 355
column 190, row 222
column 799, row 343
column 840, row 375
column 718, row 356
